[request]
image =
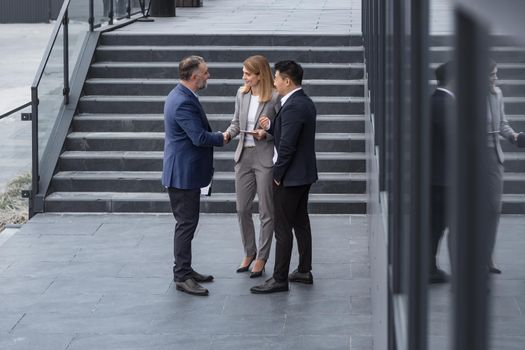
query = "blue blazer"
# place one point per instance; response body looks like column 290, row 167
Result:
column 294, row 133
column 188, row 144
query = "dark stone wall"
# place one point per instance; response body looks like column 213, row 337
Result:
column 29, row 11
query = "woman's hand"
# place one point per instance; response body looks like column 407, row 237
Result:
column 259, row 134
column 264, row 122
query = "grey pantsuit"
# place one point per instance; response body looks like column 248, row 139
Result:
column 495, row 187
column 498, row 122
column 253, row 174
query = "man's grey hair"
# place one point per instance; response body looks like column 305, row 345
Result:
column 188, row 66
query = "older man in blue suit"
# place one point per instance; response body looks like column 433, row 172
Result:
column 188, row 165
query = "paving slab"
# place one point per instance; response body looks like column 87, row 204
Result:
column 261, row 16
column 94, row 281
column 506, row 293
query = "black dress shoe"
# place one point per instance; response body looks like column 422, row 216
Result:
column 438, row 276
column 191, row 287
column 301, row 277
column 201, row 278
column 270, row 286
column 493, row 269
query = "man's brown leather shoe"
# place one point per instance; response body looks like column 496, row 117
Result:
column 191, row 287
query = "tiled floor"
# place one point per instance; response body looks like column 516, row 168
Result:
column 104, row 282
column 506, row 293
column 261, row 16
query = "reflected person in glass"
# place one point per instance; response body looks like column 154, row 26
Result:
column 497, row 125
column 442, row 105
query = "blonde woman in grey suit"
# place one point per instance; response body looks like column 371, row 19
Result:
column 497, row 126
column 254, row 160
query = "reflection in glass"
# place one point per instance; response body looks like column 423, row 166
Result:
column 441, row 107
column 506, row 107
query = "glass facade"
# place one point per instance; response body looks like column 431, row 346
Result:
column 442, row 126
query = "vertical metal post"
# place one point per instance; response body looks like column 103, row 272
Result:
column 380, row 112
column 420, row 176
column 111, row 11
column 470, row 180
column 392, row 129
column 373, row 61
column 35, row 177
column 65, row 28
column 91, row 19
column 128, row 9
column 366, row 30
column 398, row 97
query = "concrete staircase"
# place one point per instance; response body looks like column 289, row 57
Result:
column 112, row 158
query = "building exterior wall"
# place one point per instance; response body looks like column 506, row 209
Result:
column 29, row 11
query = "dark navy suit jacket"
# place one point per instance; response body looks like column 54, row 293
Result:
column 294, row 133
column 442, row 107
column 188, row 145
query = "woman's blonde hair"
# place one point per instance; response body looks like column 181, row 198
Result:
column 259, row 65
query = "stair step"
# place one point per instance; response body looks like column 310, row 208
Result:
column 211, row 104
column 223, row 161
column 514, row 105
column 155, row 53
column 505, row 70
column 494, row 40
column 150, row 181
column 513, row 203
column 152, row 38
column 115, row 202
column 518, row 124
column 218, row 70
column 154, row 141
column 216, row 87
column 155, row 122
column 501, row 54
column 514, row 183
column 514, row 162
column 512, row 87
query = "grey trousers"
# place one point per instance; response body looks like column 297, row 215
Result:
column 251, row 178
column 495, row 191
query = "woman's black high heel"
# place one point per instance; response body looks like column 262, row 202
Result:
column 256, row 274
column 493, row 269
column 247, row 267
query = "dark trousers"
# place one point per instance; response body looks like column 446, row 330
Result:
column 185, row 207
column 291, row 212
column 438, row 222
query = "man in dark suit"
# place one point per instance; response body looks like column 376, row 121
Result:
column 442, row 107
column 188, row 165
column 293, row 173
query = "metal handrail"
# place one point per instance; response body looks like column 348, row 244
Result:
column 15, row 110
column 51, row 44
column 62, row 22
